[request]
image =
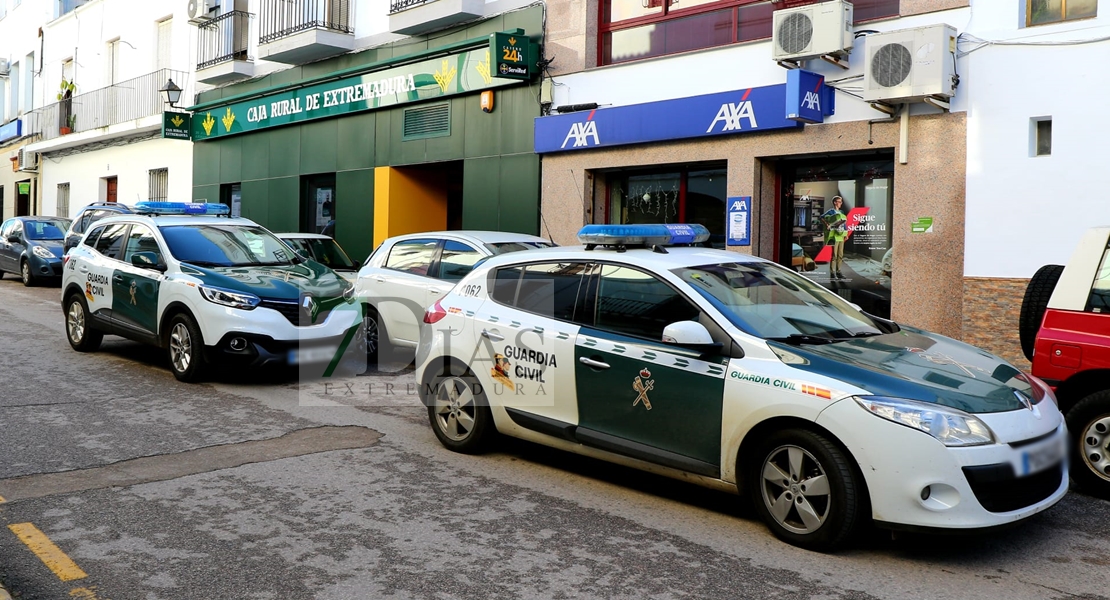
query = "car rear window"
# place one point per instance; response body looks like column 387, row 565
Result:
column 1099, row 301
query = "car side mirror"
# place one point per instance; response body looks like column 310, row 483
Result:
column 13, row 239
column 147, row 260
column 690, row 334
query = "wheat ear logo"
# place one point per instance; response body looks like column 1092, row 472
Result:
column 483, row 70
column 177, row 121
column 444, row 79
column 207, row 123
column 228, row 119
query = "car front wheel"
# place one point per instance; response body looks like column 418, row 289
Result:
column 79, row 329
column 1089, row 426
column 186, row 349
column 25, row 273
column 805, row 490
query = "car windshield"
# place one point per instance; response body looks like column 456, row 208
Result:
column 771, row 302
column 507, row 247
column 54, row 229
column 324, row 251
column 226, row 245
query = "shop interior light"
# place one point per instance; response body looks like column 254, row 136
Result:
column 642, row 235
column 182, row 208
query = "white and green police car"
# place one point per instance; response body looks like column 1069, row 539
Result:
column 210, row 289
column 733, row 372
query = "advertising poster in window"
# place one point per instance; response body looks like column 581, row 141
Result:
column 325, row 208
column 842, row 231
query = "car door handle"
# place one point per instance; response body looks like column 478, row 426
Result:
column 493, row 337
column 380, row 280
column 84, row 269
column 436, row 291
column 118, row 278
column 596, row 364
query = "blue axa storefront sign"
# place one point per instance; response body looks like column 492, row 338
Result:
column 11, row 130
column 753, row 109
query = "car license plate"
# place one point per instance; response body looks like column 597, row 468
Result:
column 311, row 355
column 1042, row 456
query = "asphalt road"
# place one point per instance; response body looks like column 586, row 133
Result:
column 259, row 486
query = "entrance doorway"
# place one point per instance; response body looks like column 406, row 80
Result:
column 23, row 198
column 835, row 225
column 412, row 199
column 110, row 187
column 318, row 204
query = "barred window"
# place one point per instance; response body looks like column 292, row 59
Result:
column 63, row 200
column 159, row 185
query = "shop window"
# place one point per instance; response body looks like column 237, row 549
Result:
column 637, row 29
column 1040, row 136
column 844, row 245
column 158, row 187
column 1042, row 12
column 694, row 195
column 63, row 200
column 318, row 204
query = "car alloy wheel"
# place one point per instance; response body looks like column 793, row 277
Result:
column 1095, row 446
column 370, row 333
column 181, row 347
column 75, row 323
column 795, row 489
column 455, row 409
column 25, row 273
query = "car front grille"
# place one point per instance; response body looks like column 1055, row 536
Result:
column 999, row 490
column 292, row 312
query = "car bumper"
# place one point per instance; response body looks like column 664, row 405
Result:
column 916, row 482
column 263, row 337
column 45, row 268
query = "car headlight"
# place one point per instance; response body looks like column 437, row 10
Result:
column 952, row 427
column 229, row 297
column 349, row 291
column 41, row 252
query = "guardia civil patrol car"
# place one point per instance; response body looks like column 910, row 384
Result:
column 207, row 288
column 733, row 372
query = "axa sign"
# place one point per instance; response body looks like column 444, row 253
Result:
column 582, row 133
column 723, row 113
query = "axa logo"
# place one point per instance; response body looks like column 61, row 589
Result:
column 812, row 101
column 732, row 116
column 582, row 133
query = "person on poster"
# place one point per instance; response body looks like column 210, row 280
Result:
column 836, row 231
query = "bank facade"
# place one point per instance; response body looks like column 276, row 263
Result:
column 430, row 132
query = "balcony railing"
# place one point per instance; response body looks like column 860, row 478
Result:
column 396, row 6
column 282, row 18
column 225, row 38
column 125, row 101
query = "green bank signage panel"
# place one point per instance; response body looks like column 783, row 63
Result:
column 176, row 126
column 510, row 51
column 454, row 74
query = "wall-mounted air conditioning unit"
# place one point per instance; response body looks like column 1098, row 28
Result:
column 202, row 11
column 5, row 67
column 28, row 161
column 812, row 31
column 911, row 65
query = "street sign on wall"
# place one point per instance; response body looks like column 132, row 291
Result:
column 177, row 126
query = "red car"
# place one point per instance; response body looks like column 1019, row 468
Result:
column 1065, row 331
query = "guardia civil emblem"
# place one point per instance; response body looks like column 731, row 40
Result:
column 642, row 385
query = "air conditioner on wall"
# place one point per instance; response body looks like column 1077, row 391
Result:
column 202, row 11
column 5, row 67
column 28, row 161
column 910, row 65
column 812, row 31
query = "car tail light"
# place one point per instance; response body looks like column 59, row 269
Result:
column 434, row 314
column 65, row 259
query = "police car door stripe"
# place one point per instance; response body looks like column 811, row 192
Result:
column 642, row 353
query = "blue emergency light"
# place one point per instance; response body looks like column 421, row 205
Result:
column 182, row 208
column 643, row 235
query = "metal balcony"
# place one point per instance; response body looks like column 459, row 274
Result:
column 300, row 31
column 224, row 49
column 413, row 17
column 123, row 102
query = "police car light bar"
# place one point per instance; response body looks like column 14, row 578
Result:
column 182, row 208
column 642, row 235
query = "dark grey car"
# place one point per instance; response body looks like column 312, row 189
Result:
column 32, row 247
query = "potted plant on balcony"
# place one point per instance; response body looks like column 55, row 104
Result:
column 66, row 118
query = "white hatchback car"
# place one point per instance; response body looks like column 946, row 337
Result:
column 407, row 273
column 733, row 372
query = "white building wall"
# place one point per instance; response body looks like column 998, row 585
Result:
column 1023, row 211
column 85, row 173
